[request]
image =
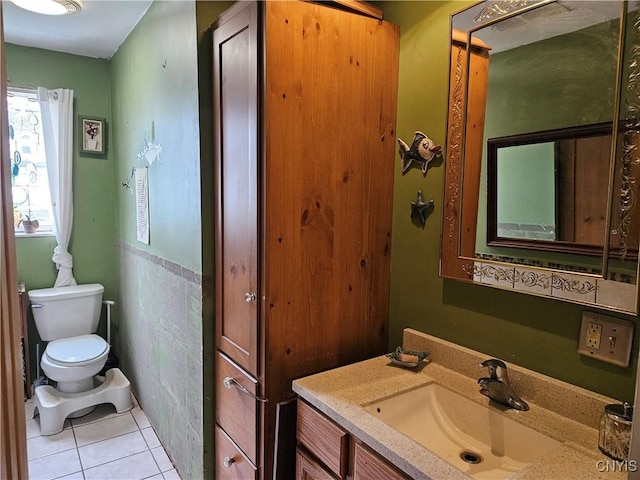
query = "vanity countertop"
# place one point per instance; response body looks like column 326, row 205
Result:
column 559, row 410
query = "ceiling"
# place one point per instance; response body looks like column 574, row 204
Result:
column 97, row 31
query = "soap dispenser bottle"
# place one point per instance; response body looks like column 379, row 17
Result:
column 615, row 430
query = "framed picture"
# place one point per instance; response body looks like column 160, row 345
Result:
column 92, row 135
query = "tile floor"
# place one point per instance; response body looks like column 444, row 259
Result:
column 101, row 445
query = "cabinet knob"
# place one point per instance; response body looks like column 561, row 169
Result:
column 228, row 461
column 249, row 297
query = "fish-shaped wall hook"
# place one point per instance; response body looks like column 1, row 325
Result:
column 422, row 151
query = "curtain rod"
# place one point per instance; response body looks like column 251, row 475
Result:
column 20, row 88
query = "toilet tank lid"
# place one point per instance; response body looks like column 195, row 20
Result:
column 72, row 291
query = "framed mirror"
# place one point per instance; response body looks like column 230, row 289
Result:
column 548, row 190
column 543, row 129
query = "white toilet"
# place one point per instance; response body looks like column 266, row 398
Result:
column 68, row 317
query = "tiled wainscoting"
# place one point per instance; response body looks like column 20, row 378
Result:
column 101, row 445
column 159, row 344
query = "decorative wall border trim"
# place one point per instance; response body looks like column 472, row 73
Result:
column 570, row 287
column 530, row 278
column 172, row 267
column 615, row 276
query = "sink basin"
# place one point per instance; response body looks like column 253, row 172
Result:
column 473, row 438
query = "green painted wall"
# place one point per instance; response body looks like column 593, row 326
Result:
column 528, row 83
column 536, row 333
column 154, row 76
column 167, row 322
column 93, row 178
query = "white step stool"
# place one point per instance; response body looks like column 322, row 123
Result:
column 54, row 406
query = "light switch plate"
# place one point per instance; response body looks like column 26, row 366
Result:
column 606, row 338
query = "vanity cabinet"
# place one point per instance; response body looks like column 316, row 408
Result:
column 305, row 101
column 326, row 451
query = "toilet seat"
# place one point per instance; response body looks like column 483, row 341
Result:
column 76, row 351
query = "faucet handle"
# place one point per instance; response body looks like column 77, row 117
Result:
column 497, row 369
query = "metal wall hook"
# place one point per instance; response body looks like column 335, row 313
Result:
column 419, row 208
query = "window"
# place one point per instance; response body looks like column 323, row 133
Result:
column 30, row 185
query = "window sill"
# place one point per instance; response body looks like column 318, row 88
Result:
column 19, row 234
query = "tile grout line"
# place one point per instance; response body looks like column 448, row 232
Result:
column 75, row 440
column 150, row 450
column 116, row 460
column 78, row 449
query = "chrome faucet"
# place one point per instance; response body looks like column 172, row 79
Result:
column 496, row 385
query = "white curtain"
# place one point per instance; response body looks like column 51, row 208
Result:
column 57, row 128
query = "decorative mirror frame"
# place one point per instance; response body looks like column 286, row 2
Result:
column 460, row 211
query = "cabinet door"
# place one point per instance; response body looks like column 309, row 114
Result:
column 369, row 466
column 330, row 105
column 309, row 469
column 235, row 50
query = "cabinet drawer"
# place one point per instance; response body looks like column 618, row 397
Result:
column 323, row 438
column 236, row 411
column 369, row 466
column 231, row 463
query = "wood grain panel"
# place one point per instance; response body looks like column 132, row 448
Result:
column 237, row 466
column 473, row 148
column 236, row 411
column 235, row 47
column 323, row 438
column 309, row 469
column 591, row 188
column 330, row 91
column 369, row 466
column 13, row 446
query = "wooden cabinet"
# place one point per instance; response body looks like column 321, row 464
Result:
column 305, row 101
column 326, row 451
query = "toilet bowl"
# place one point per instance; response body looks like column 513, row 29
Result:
column 72, row 363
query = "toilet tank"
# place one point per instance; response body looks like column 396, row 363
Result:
column 62, row 312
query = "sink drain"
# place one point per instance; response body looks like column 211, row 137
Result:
column 470, row 457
